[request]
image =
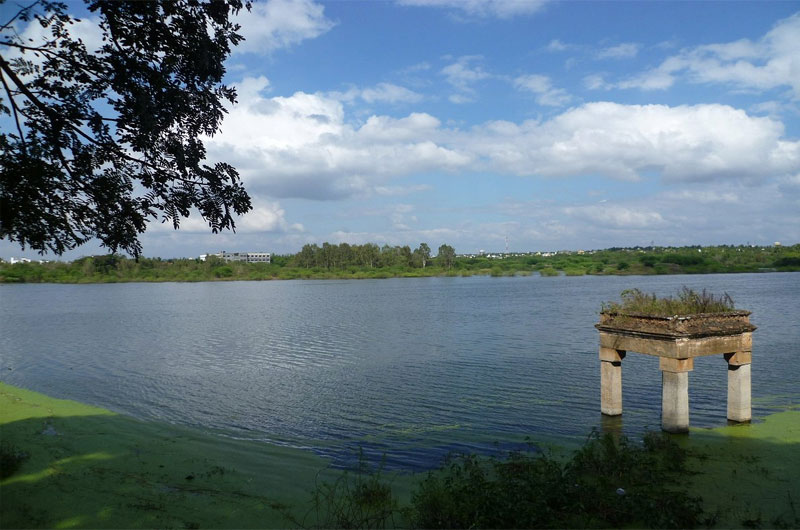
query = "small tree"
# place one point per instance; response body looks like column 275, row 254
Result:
column 423, row 254
column 447, row 255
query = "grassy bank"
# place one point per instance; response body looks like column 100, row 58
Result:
column 89, row 468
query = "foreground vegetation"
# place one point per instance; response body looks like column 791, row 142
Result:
column 604, row 484
column 370, row 261
column 71, row 465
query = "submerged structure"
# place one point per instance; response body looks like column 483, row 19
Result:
column 676, row 341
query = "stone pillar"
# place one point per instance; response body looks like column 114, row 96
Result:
column 611, row 381
column 675, row 394
column 739, row 408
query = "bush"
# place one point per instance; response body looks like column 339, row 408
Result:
column 605, row 484
column 648, row 260
column 223, row 272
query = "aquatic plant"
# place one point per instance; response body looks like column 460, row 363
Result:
column 687, row 302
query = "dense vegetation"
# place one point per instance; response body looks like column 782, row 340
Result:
column 372, row 261
column 687, row 302
column 605, row 484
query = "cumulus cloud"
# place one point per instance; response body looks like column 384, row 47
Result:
column 303, row 146
column 542, row 87
column 503, row 9
column 770, row 62
column 276, row 24
column 306, row 145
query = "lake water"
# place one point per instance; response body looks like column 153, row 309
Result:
column 413, row 368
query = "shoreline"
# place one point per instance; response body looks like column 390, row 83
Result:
column 358, row 276
column 90, row 467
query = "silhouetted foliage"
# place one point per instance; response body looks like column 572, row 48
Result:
column 104, row 140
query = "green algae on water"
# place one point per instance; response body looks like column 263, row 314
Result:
column 749, row 474
column 91, row 468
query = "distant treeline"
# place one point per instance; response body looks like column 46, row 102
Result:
column 371, row 261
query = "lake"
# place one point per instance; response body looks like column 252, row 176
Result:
column 410, row 368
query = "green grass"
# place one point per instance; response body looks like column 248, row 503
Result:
column 686, row 302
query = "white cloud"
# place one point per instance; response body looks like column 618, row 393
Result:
column 305, row 145
column 612, row 216
column 266, row 216
column 556, row 45
column 689, row 143
column 380, row 93
column 596, row 82
column 541, row 85
column 771, row 62
column 460, row 99
column 625, row 50
column 302, row 146
column 464, row 73
column 276, row 24
column 396, row 191
column 703, row 196
column 484, row 8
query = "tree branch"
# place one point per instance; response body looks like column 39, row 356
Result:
column 99, row 74
column 8, row 24
column 16, row 114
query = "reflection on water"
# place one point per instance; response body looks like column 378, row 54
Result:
column 409, row 367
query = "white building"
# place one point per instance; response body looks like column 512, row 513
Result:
column 247, row 257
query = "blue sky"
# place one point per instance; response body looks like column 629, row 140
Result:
column 556, row 125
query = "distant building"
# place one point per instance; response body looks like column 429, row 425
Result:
column 247, row 257
column 777, row 243
column 19, row 260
